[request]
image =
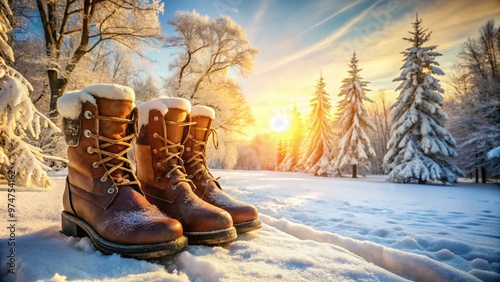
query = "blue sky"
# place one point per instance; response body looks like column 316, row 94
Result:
column 300, row 39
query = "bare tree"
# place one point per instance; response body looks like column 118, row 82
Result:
column 206, row 48
column 379, row 112
column 74, row 28
column 476, row 85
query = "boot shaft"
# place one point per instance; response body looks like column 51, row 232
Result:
column 92, row 120
column 194, row 155
column 163, row 128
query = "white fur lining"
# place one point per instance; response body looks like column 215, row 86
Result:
column 145, row 107
column 203, row 111
column 111, row 91
column 161, row 104
column 176, row 103
column 69, row 105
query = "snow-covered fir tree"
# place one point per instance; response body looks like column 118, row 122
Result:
column 420, row 145
column 281, row 151
column 19, row 119
column 316, row 157
column 296, row 137
column 354, row 146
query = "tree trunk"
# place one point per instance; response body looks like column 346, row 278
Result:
column 483, row 175
column 421, row 181
column 57, row 87
column 354, row 171
column 477, row 175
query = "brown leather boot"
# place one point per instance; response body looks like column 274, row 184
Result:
column 163, row 128
column 245, row 216
column 102, row 198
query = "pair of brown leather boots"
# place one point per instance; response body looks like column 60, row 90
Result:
column 173, row 195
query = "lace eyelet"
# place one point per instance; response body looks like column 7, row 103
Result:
column 190, row 176
column 104, row 179
column 155, row 135
column 188, row 149
column 87, row 133
column 158, row 164
column 155, row 151
column 174, row 187
column 156, row 118
column 203, row 183
column 87, row 114
column 111, row 190
column 95, row 165
column 90, row 150
column 158, row 179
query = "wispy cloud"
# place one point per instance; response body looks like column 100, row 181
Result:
column 327, row 41
column 330, row 17
column 259, row 14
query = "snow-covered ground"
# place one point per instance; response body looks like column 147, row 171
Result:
column 315, row 229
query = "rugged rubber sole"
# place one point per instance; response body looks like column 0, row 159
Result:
column 247, row 226
column 212, row 237
column 75, row 227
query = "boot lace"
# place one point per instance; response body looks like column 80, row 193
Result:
column 171, row 154
column 121, row 156
column 199, row 155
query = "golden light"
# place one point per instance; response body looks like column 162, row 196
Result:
column 279, row 123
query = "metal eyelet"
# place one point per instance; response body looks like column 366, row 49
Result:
column 203, row 183
column 190, row 176
column 104, row 179
column 158, row 164
column 111, row 190
column 155, row 151
column 188, row 149
column 87, row 114
column 174, row 187
column 87, row 133
column 158, row 179
column 155, row 135
column 90, row 150
column 95, row 165
column 156, row 118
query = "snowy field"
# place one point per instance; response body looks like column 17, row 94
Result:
column 315, row 229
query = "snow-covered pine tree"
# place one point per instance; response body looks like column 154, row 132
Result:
column 281, row 152
column 419, row 143
column 354, row 146
column 316, row 157
column 19, row 119
column 296, row 137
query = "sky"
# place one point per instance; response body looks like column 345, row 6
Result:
column 300, row 40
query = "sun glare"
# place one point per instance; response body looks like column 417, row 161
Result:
column 279, row 123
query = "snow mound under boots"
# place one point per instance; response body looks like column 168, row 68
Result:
column 102, row 198
column 164, row 126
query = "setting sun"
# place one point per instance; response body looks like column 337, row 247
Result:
column 279, row 123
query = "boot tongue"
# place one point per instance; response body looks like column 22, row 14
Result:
column 175, row 132
column 201, row 130
column 114, row 129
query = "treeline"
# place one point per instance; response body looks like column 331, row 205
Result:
column 411, row 139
